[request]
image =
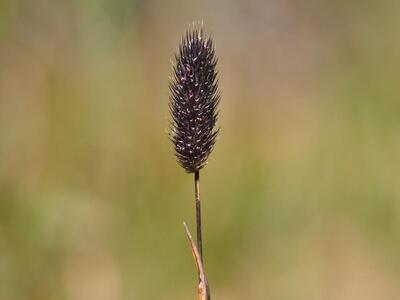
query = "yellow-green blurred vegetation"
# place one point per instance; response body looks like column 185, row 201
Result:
column 301, row 197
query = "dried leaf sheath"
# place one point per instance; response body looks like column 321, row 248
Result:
column 194, row 98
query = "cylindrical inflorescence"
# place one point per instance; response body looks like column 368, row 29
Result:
column 194, row 98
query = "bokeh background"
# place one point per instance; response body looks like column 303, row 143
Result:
column 300, row 197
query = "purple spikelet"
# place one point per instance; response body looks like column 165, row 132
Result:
column 194, row 98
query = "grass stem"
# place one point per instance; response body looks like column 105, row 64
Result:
column 198, row 213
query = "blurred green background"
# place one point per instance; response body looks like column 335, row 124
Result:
column 301, row 194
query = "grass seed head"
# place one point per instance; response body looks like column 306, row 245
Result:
column 194, row 98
